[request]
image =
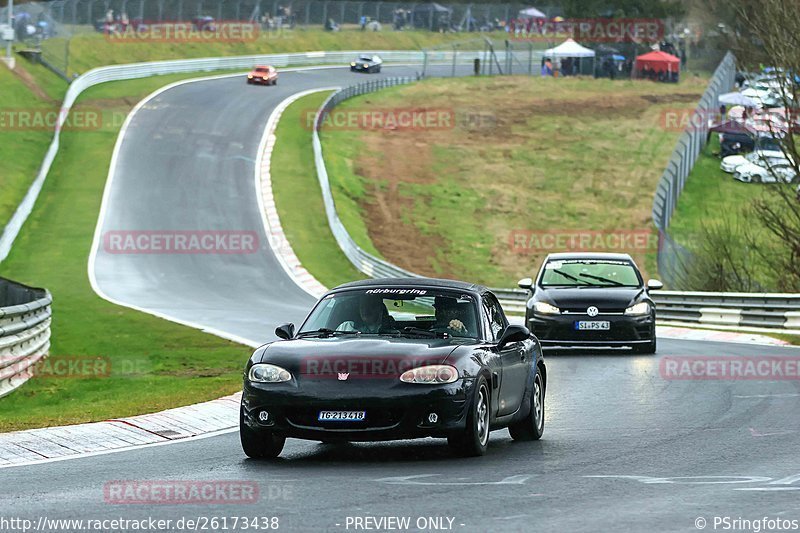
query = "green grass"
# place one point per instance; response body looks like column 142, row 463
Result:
column 21, row 148
column 299, row 200
column 155, row 364
column 90, row 50
column 712, row 198
column 552, row 155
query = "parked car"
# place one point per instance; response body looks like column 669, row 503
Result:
column 731, row 162
column 366, row 63
column 766, row 171
column 591, row 300
column 400, row 358
column 264, row 75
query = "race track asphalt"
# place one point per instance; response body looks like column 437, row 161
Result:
column 625, row 447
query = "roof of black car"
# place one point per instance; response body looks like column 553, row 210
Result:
column 588, row 255
column 414, row 282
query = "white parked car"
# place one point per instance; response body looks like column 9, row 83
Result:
column 769, row 171
column 729, row 164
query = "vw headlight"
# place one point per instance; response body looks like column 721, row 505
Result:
column 642, row 308
column 250, row 76
column 353, row 64
column 366, row 66
column 266, row 373
column 546, row 309
column 430, row 375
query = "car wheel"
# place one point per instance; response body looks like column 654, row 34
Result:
column 259, row 444
column 274, row 82
column 378, row 70
column 532, row 426
column 475, row 438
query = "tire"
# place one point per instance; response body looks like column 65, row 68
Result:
column 532, row 426
column 259, row 444
column 475, row 439
column 274, row 82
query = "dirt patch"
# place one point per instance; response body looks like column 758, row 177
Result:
column 30, row 82
column 403, row 160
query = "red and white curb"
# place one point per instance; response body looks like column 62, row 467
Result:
column 35, row 446
column 272, row 225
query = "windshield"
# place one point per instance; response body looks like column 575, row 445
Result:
column 262, row 69
column 395, row 311
column 590, row 273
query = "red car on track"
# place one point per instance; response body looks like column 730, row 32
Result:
column 264, row 75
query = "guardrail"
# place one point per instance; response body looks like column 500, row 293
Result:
column 739, row 309
column 143, row 70
column 24, row 332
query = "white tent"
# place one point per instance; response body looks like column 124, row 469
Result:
column 531, row 13
column 569, row 48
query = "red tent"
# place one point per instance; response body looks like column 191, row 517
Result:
column 658, row 62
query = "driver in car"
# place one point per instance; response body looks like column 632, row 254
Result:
column 372, row 318
column 448, row 317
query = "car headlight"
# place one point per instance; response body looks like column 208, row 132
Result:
column 265, row 78
column 250, row 76
column 266, row 373
column 353, row 64
column 642, row 308
column 546, row 309
column 430, row 375
column 366, row 66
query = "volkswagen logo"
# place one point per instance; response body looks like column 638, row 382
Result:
column 592, row 311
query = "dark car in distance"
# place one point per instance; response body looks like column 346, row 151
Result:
column 366, row 63
column 397, row 358
column 591, row 300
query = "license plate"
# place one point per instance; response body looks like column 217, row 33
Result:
column 592, row 325
column 342, row 416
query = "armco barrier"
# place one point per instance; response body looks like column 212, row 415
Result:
column 752, row 310
column 24, row 332
column 142, row 70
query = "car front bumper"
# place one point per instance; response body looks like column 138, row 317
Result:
column 403, row 414
column 560, row 330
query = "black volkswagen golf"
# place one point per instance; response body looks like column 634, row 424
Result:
column 592, row 300
column 396, row 359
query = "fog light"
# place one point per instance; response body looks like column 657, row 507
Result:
column 263, row 416
column 433, row 418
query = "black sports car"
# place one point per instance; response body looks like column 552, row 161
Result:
column 366, row 63
column 592, row 299
column 396, row 359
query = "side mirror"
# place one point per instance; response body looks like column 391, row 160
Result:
column 513, row 334
column 285, row 331
column 654, row 285
column 525, row 283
